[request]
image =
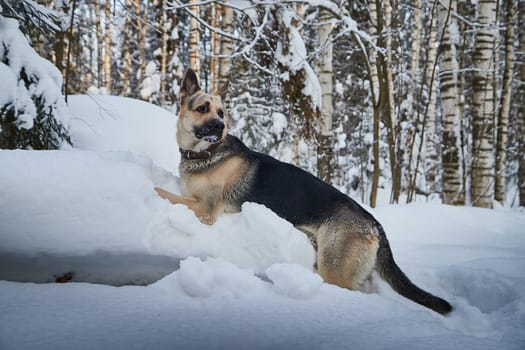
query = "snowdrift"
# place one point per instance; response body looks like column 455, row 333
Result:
column 247, row 282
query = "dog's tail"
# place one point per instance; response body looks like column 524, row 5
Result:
column 390, row 272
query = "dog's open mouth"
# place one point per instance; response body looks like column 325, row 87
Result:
column 210, row 138
column 210, row 131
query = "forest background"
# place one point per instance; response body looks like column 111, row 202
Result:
column 424, row 99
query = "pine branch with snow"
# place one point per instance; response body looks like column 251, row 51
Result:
column 33, row 113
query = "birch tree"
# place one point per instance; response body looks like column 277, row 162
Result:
column 164, row 34
column 482, row 183
column 194, row 41
column 452, row 178
column 504, row 109
column 325, row 151
column 521, row 107
column 107, row 48
column 99, row 38
column 432, row 139
column 226, row 48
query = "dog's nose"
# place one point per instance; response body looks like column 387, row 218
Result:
column 215, row 126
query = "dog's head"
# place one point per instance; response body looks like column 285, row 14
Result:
column 202, row 119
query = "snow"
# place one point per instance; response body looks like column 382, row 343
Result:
column 142, row 128
column 246, row 282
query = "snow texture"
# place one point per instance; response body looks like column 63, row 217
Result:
column 244, row 283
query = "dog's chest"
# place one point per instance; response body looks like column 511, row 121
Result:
column 213, row 181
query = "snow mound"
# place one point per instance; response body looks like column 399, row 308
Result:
column 216, row 277
column 112, row 123
column 77, row 207
column 294, row 280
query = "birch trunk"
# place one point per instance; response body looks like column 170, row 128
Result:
column 431, row 138
column 140, row 17
column 216, row 47
column 376, row 103
column 107, row 49
column 226, row 47
column 126, row 64
column 482, row 184
column 452, row 178
column 521, row 108
column 164, row 27
column 503, row 115
column 100, row 39
column 325, row 151
column 194, row 41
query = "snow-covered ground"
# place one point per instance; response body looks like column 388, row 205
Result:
column 245, row 283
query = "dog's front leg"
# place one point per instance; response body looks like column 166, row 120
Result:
column 206, row 211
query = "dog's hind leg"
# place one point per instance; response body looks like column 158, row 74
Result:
column 346, row 259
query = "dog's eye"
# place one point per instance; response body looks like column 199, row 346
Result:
column 203, row 109
column 221, row 114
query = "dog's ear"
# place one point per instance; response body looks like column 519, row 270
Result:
column 222, row 90
column 189, row 84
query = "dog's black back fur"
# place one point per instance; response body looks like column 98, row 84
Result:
column 275, row 182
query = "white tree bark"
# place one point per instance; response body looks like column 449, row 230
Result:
column 452, row 178
column 98, row 29
column 431, row 133
column 482, row 184
column 107, row 47
column 194, row 42
column 521, row 109
column 215, row 47
column 226, row 46
column 325, row 151
column 164, row 27
column 504, row 111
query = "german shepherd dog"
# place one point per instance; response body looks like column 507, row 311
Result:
column 218, row 173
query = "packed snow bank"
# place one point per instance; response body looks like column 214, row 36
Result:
column 111, row 123
column 96, row 207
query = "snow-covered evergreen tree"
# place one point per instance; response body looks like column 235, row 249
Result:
column 33, row 112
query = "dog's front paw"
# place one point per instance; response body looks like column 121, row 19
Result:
column 207, row 219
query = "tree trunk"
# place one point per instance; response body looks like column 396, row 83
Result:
column 432, row 138
column 107, row 51
column 325, row 151
column 389, row 117
column 377, row 102
column 194, row 41
column 140, row 18
column 164, row 28
column 226, row 46
column 452, row 179
column 504, row 111
column 216, row 47
column 100, row 39
column 127, row 63
column 482, row 184
column 521, row 108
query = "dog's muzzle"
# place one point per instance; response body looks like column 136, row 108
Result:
column 211, row 131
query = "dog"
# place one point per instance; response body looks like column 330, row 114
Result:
column 218, row 173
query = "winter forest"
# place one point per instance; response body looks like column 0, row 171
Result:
column 423, row 99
